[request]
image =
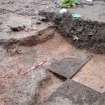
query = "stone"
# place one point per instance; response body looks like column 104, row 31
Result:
column 73, row 93
column 68, row 67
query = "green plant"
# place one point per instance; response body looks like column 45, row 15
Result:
column 69, row 3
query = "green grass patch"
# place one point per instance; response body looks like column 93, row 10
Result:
column 69, row 3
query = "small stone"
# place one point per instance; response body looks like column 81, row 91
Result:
column 43, row 19
column 17, row 29
column 75, row 38
column 76, row 15
column 38, row 23
column 89, row 0
column 62, row 11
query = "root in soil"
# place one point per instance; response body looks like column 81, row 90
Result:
column 83, row 34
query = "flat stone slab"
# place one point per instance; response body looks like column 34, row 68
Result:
column 73, row 93
column 68, row 67
column 93, row 74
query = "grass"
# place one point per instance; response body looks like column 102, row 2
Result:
column 69, row 3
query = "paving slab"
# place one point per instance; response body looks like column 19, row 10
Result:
column 93, row 74
column 73, row 93
column 68, row 67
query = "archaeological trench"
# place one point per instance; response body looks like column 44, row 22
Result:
column 51, row 58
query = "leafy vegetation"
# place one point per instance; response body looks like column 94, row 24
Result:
column 69, row 3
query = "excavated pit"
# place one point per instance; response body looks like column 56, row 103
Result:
column 55, row 47
column 83, row 34
column 37, row 86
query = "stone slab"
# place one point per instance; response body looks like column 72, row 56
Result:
column 68, row 67
column 93, row 74
column 73, row 93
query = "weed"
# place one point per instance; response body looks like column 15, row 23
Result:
column 69, row 3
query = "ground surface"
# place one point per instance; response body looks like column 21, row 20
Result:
column 86, row 32
column 28, row 75
column 92, row 11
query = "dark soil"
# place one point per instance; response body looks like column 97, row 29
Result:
column 83, row 34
